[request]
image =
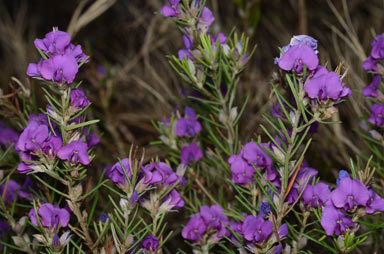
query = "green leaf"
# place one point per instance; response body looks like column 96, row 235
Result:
column 75, row 126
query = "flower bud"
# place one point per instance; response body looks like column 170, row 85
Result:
column 278, row 153
column 124, row 204
column 76, row 192
column 40, row 238
column 20, row 224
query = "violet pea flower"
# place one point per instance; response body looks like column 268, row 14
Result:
column 50, row 216
column 171, row 10
column 349, row 194
column 190, row 153
column 54, row 42
column 326, row 86
column 119, row 172
column 335, row 222
column 375, row 202
column 242, row 171
column 213, row 216
column 371, row 89
column 32, row 137
column 194, row 229
column 377, row 114
column 297, row 56
column 75, row 152
column 59, row 68
column 255, row 229
column 316, row 195
column 150, row 243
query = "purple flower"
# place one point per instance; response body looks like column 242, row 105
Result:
column 104, row 217
column 150, row 243
column 188, row 44
column 7, row 136
column 371, row 89
column 40, row 119
column 188, row 125
column 377, row 114
column 194, row 229
column 375, row 202
column 342, row 174
column 158, row 173
column 33, row 69
column 51, row 145
column 265, row 208
column 377, row 44
column 118, row 173
column 59, row 68
column 26, row 167
column 277, row 111
column 206, row 19
column 255, row 229
column 77, row 53
column 219, row 37
column 101, row 70
column 299, row 40
column 171, row 10
column 278, row 249
column 326, row 86
column 333, row 221
column 254, row 153
column 213, row 216
column 78, row 99
column 370, row 64
column 50, row 216
column 8, row 191
column 316, row 195
column 298, row 56
column 92, row 139
column 349, row 194
column 4, row 229
column 283, row 231
column 242, row 172
column 32, row 137
column 153, row 173
column 54, row 42
column 292, row 196
column 304, row 176
column 75, row 152
column 303, row 39
column 190, row 153
column 56, row 242
column 173, row 200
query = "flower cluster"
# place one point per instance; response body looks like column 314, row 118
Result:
column 320, row 85
column 258, row 232
column 373, row 64
column 350, row 200
column 243, row 165
column 39, row 140
column 157, row 175
column 61, row 60
column 179, row 131
column 208, row 226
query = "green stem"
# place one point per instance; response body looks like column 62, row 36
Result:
column 296, row 248
column 82, row 221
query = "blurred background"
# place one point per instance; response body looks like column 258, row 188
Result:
column 131, row 83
